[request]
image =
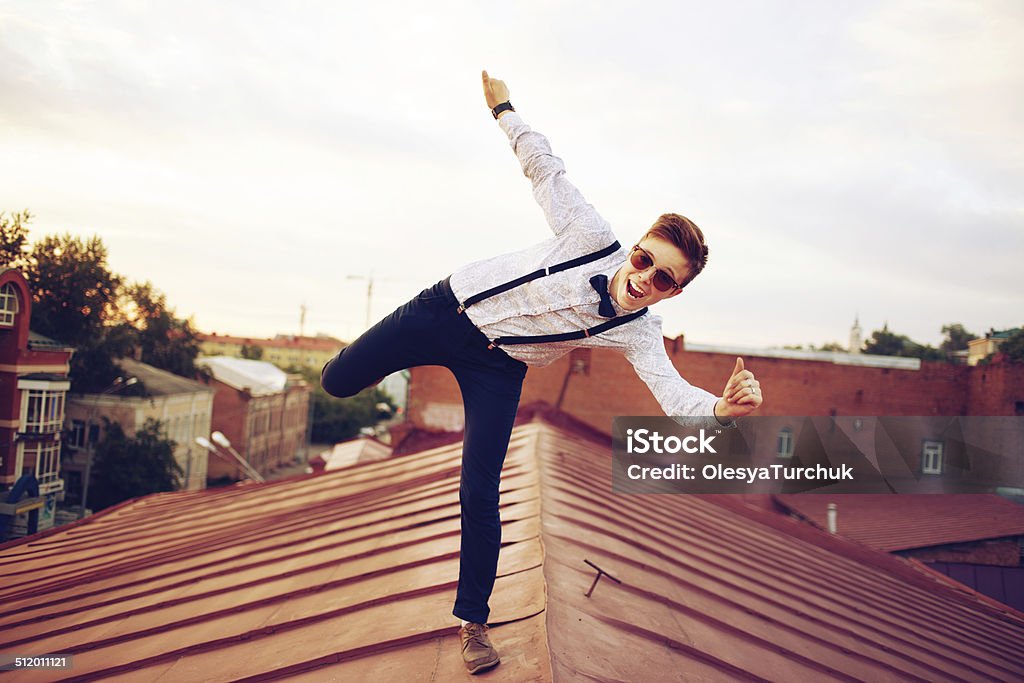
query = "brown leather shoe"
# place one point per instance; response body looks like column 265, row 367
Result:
column 477, row 651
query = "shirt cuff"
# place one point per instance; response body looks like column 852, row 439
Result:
column 731, row 424
column 509, row 121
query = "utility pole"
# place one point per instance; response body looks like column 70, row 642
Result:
column 369, row 295
column 369, row 300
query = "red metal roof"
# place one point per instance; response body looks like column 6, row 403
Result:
column 353, row 571
column 350, row 575
column 714, row 589
column 904, row 522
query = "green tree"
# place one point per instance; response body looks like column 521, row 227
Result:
column 79, row 300
column 14, row 238
column 956, row 338
column 1013, row 347
column 886, row 343
column 337, row 419
column 253, row 352
column 73, row 288
column 127, row 468
column 74, row 294
column 165, row 342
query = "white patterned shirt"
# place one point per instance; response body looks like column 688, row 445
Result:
column 566, row 301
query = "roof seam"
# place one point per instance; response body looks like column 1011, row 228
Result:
column 856, row 552
column 878, row 643
column 884, row 614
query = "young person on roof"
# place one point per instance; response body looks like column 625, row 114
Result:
column 489, row 321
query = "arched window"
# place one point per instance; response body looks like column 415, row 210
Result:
column 8, row 305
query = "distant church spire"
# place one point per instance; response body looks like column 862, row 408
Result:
column 856, row 339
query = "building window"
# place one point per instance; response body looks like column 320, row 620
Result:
column 76, row 435
column 45, row 413
column 931, row 457
column 8, row 305
column 46, row 457
column 579, row 361
column 784, row 443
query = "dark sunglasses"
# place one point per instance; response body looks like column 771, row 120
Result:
column 641, row 260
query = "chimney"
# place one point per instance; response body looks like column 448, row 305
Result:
column 832, row 518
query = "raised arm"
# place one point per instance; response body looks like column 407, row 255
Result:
column 563, row 204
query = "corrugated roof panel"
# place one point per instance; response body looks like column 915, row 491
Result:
column 351, row 576
column 273, row 579
column 713, row 588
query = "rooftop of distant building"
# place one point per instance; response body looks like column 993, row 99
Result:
column 318, row 343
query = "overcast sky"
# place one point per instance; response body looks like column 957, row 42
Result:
column 856, row 158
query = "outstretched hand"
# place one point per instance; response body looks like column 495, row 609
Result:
column 495, row 91
column 742, row 394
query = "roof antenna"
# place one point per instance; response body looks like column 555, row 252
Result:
column 600, row 573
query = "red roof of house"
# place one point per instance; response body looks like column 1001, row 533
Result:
column 351, row 452
column 904, row 522
column 296, row 342
column 351, row 575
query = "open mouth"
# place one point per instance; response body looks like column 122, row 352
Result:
column 633, row 291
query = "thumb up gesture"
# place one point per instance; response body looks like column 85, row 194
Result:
column 495, row 91
column 742, row 394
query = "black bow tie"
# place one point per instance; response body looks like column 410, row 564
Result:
column 600, row 283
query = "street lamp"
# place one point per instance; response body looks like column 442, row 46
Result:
column 222, row 441
column 118, row 384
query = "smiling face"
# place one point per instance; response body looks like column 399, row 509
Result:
column 633, row 288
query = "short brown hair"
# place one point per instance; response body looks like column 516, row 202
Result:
column 684, row 233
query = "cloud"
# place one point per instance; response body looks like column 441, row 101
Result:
column 842, row 159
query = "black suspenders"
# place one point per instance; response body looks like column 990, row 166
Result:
column 543, row 272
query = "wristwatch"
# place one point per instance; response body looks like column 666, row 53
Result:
column 504, row 106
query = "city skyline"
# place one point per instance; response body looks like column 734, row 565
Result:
column 250, row 159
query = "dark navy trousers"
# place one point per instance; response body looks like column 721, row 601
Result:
column 428, row 331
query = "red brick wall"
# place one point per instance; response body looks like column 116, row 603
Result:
column 230, row 416
column 997, row 389
column 18, row 359
column 791, row 387
column 275, row 445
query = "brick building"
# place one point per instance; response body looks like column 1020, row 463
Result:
column 596, row 385
column 260, row 409
column 33, row 385
column 284, row 351
column 181, row 405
